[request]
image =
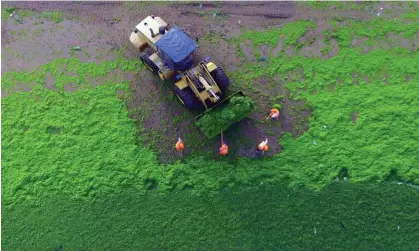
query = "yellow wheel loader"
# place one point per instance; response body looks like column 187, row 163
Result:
column 168, row 53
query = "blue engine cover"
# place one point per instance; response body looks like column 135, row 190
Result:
column 175, row 49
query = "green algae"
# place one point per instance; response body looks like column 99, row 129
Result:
column 84, row 144
column 290, row 33
column 375, row 29
column 341, row 217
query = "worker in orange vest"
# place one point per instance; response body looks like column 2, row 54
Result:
column 179, row 146
column 224, row 147
column 274, row 114
column 263, row 146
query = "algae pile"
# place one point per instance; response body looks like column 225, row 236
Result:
column 219, row 119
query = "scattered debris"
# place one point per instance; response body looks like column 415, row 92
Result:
column 408, row 184
column 379, row 12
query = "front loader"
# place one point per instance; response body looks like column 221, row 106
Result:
column 168, row 53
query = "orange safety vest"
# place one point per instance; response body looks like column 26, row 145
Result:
column 224, row 150
column 263, row 146
column 179, row 145
column 274, row 113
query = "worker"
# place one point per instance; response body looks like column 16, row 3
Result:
column 224, row 149
column 179, row 146
column 263, row 146
column 274, row 114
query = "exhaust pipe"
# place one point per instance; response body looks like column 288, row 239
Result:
column 152, row 33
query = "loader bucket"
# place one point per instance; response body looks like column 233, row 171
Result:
column 219, row 118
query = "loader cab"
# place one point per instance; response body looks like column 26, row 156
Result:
column 176, row 49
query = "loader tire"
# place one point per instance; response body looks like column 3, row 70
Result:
column 145, row 58
column 221, row 79
column 188, row 98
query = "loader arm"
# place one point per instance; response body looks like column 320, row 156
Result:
column 203, row 85
column 209, row 88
